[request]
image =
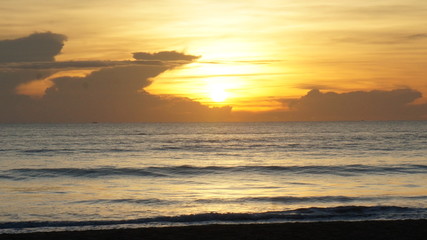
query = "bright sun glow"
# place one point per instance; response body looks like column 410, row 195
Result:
column 216, row 84
column 217, row 93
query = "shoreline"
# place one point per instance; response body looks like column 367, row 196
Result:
column 379, row 229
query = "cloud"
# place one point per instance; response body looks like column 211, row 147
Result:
column 351, row 106
column 38, row 51
column 112, row 92
column 417, row 36
column 106, row 82
column 164, row 56
column 75, row 64
column 377, row 38
column 358, row 105
column 11, row 79
column 108, row 95
column 33, row 48
column 29, row 62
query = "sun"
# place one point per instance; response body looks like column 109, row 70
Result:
column 218, row 93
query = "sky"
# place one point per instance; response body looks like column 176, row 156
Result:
column 234, row 60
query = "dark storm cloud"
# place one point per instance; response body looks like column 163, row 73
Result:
column 164, row 56
column 33, row 48
column 358, row 105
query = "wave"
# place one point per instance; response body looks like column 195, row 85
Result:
column 184, row 170
column 276, row 199
column 25, row 173
column 45, row 151
column 309, row 199
column 148, row 201
column 290, row 199
column 302, row 214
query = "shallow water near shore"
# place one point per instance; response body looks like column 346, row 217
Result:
column 60, row 176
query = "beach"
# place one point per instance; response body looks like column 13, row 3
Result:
column 401, row 229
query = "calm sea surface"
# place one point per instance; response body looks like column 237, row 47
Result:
column 68, row 176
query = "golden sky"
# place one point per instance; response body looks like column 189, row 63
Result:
column 257, row 58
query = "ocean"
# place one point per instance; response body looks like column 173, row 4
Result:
column 96, row 176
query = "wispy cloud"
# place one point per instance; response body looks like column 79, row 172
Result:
column 164, row 56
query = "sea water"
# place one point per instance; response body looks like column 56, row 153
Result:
column 87, row 176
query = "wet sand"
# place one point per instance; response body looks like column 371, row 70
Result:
column 372, row 230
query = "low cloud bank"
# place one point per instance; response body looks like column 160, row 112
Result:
column 114, row 92
column 359, row 105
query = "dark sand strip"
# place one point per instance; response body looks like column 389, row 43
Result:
column 367, row 230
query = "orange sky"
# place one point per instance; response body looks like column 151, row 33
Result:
column 252, row 60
